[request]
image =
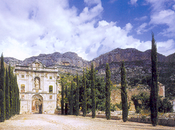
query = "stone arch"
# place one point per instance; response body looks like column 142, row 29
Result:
column 37, row 104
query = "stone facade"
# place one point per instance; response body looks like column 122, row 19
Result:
column 38, row 88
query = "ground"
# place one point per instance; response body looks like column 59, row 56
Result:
column 58, row 122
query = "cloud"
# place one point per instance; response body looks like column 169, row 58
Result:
column 141, row 18
column 162, row 14
column 166, row 17
column 166, row 47
column 112, row 1
column 174, row 7
column 92, row 2
column 141, row 28
column 133, row 2
column 128, row 27
column 32, row 27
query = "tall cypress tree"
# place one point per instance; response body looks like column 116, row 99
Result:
column 62, row 96
column 71, row 98
column 66, row 102
column 2, row 91
column 11, row 90
column 108, row 91
column 124, row 93
column 77, row 97
column 18, row 101
column 93, row 90
column 154, row 86
column 84, row 95
column 7, row 94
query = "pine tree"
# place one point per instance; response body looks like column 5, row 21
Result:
column 62, row 96
column 108, row 92
column 93, row 91
column 2, row 91
column 154, row 86
column 71, row 98
column 84, row 95
column 124, row 93
column 7, row 94
column 77, row 97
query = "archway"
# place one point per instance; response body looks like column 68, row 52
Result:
column 37, row 104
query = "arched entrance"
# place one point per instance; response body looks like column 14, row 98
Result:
column 37, row 104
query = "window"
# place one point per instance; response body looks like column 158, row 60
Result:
column 22, row 76
column 50, row 97
column 50, row 89
column 22, row 88
column 50, row 77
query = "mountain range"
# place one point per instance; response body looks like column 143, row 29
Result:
column 137, row 64
column 116, row 55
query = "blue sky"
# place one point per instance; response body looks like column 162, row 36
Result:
column 89, row 28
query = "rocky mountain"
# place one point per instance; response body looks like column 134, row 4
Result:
column 12, row 61
column 137, row 64
column 55, row 59
column 127, row 55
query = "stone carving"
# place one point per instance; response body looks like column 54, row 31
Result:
column 37, row 83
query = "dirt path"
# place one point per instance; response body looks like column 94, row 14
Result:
column 57, row 122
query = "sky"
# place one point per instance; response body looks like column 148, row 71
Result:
column 87, row 27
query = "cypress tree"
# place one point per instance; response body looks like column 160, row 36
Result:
column 71, row 98
column 108, row 92
column 7, row 94
column 18, row 101
column 66, row 103
column 77, row 97
column 14, row 95
column 124, row 94
column 62, row 96
column 93, row 90
column 84, row 95
column 154, row 86
column 2, row 91
column 11, row 90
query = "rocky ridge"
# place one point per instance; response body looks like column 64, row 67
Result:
column 137, row 64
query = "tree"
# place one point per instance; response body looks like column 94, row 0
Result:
column 124, row 93
column 77, row 97
column 71, row 98
column 108, row 91
column 2, row 91
column 7, row 94
column 62, row 95
column 93, row 90
column 66, row 102
column 84, row 95
column 154, row 86
column 11, row 91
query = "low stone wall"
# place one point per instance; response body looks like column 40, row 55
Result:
column 164, row 122
column 104, row 116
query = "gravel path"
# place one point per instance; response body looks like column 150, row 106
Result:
column 58, row 122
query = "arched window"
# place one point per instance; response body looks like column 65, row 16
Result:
column 22, row 88
column 50, row 89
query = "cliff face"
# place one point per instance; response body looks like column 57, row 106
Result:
column 127, row 55
column 56, row 59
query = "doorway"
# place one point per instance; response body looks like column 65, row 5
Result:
column 37, row 104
